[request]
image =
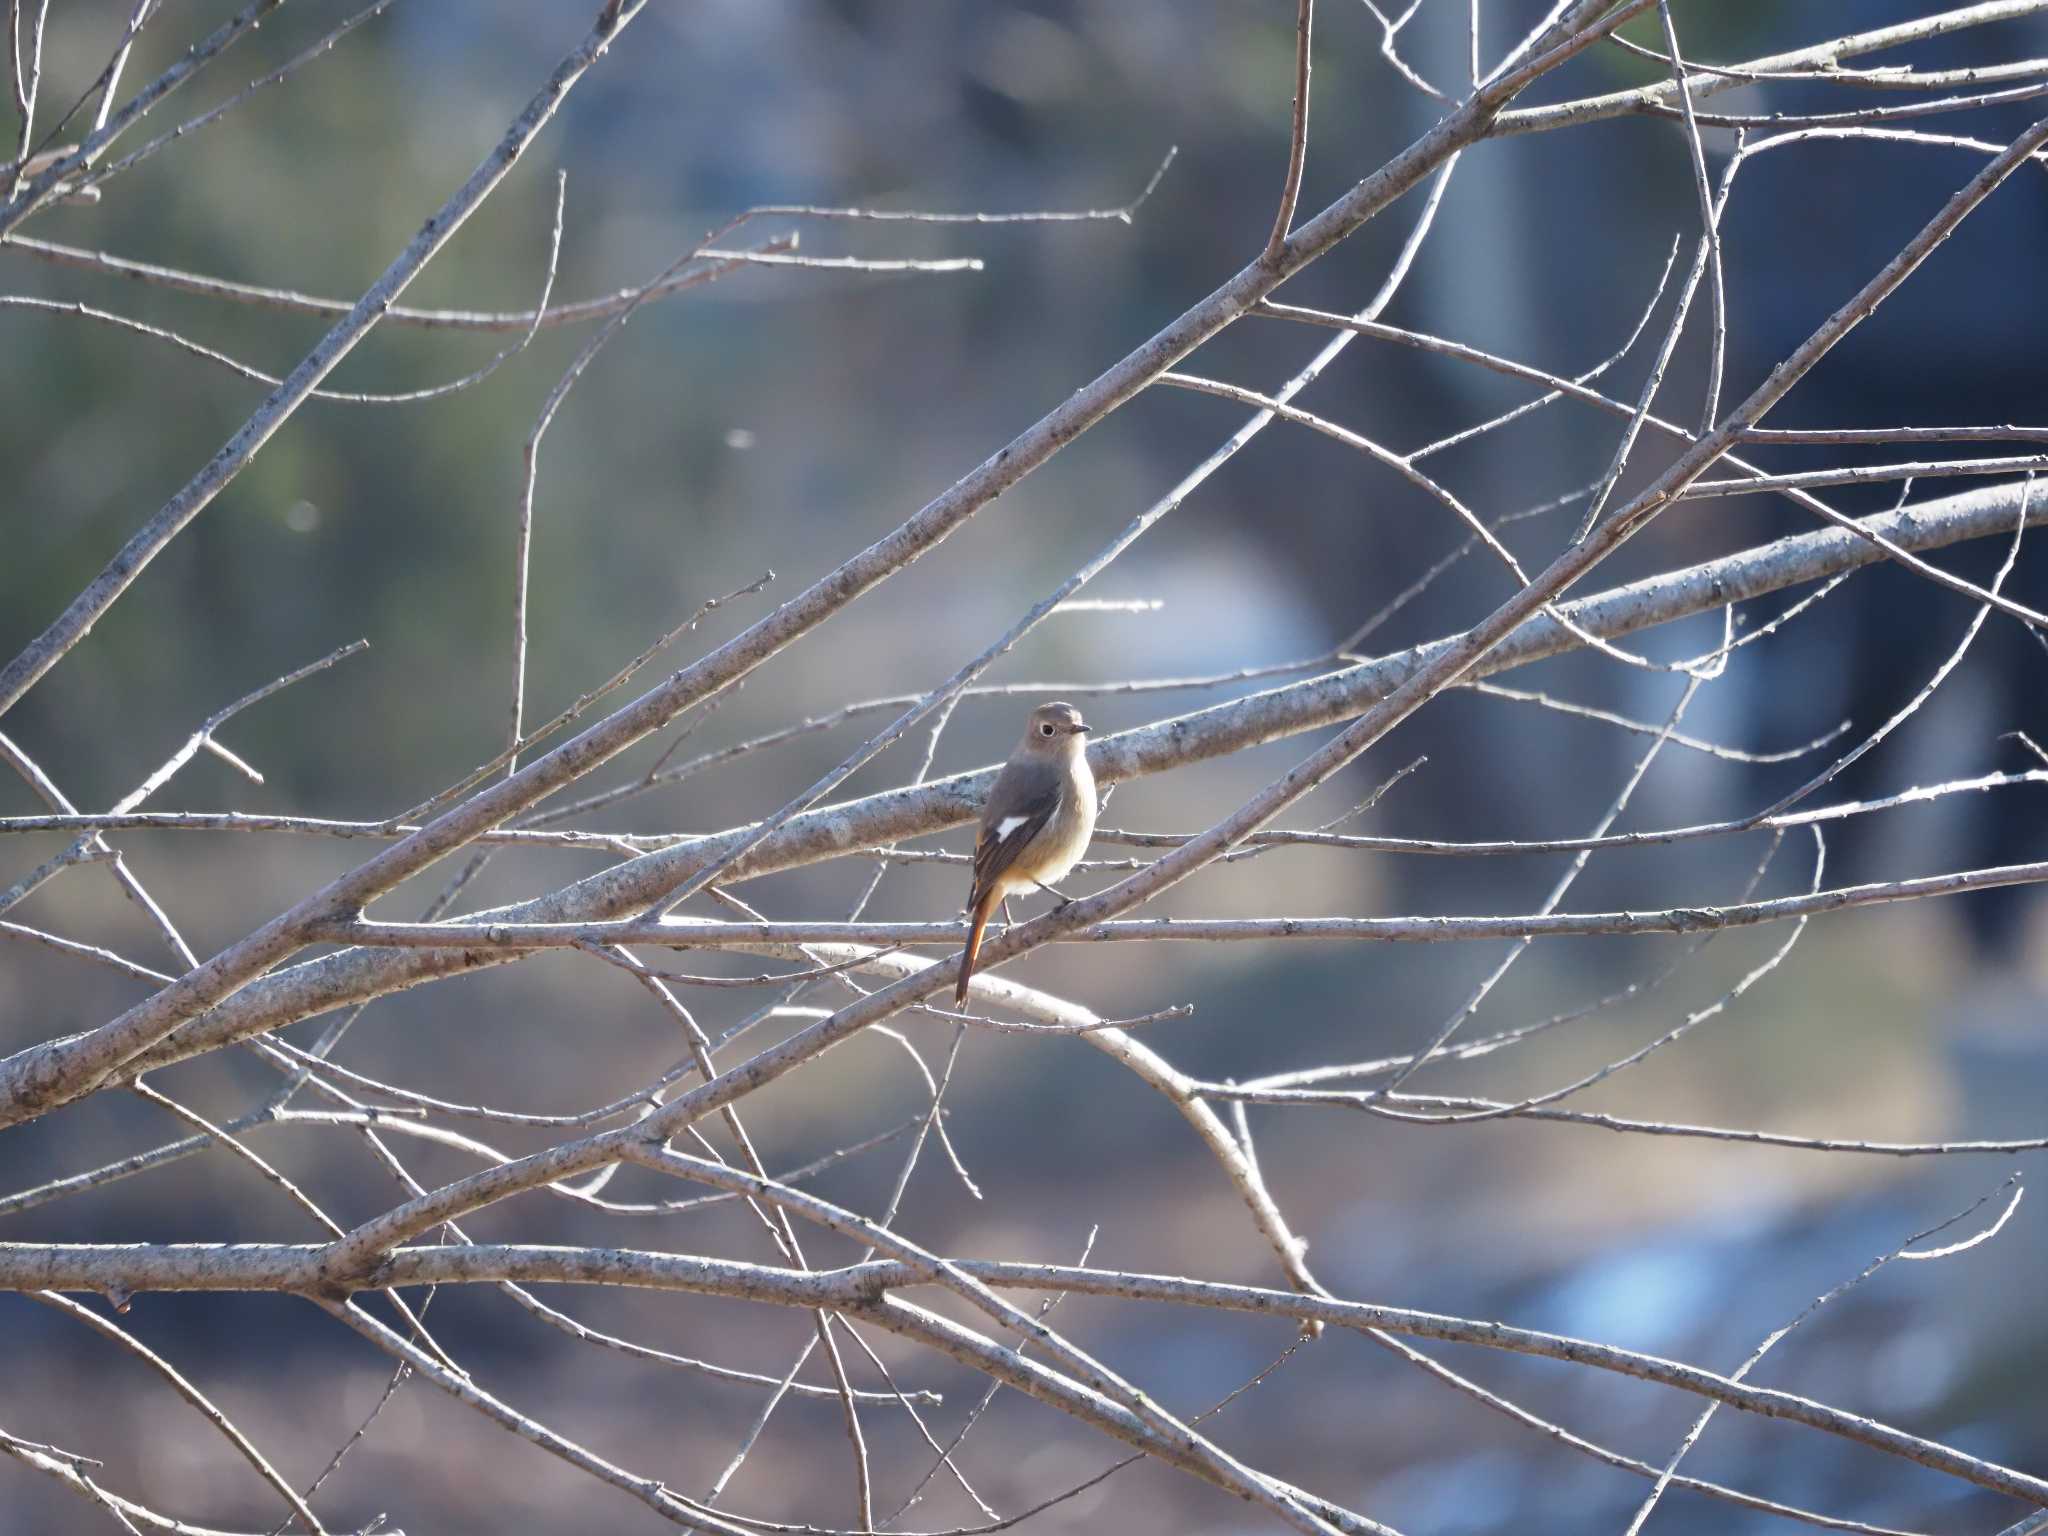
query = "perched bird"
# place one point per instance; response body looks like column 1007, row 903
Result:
column 1037, row 822
column 36, row 164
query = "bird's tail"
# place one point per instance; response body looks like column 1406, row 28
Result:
column 982, row 908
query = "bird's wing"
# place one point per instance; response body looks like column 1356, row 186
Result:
column 1005, row 834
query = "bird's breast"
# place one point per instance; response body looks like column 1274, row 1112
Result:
column 1066, row 836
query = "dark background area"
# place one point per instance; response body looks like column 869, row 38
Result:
column 785, row 418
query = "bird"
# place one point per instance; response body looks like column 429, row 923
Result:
column 1036, row 823
column 36, row 164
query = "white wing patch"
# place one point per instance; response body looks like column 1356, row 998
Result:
column 1008, row 825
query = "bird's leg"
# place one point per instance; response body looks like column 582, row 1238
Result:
column 1061, row 896
column 1008, row 921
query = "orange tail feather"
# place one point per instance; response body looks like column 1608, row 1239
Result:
column 982, row 909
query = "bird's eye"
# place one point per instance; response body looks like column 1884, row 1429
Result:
column 1045, row 728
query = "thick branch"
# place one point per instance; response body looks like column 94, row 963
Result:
column 688, row 933
column 837, row 830
column 37, row 1079
column 1663, row 95
column 296, row 1267
column 358, row 1251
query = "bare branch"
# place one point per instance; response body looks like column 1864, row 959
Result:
column 702, row 933
column 220, row 1421
column 296, row 1268
column 1847, row 46
column 879, row 819
column 1297, row 139
column 555, row 1106
column 33, row 1081
column 79, row 616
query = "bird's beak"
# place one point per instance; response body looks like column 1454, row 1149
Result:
column 1078, row 730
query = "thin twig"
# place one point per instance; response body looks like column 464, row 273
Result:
column 1297, row 137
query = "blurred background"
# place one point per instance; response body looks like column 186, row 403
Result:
column 783, row 418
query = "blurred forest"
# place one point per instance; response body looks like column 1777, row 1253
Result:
column 785, row 416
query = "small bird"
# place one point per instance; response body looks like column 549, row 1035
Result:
column 36, row 164
column 1037, row 822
